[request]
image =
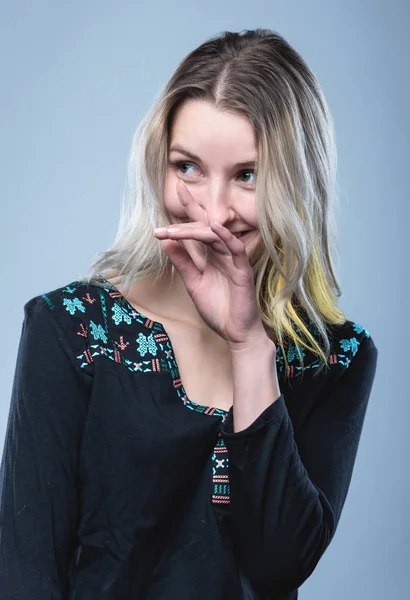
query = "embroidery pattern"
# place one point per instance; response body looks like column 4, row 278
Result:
column 220, row 473
column 155, row 354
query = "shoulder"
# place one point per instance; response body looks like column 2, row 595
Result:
column 66, row 303
column 352, row 344
column 353, row 362
column 97, row 322
column 77, row 312
column 344, row 392
column 76, row 300
column 347, row 341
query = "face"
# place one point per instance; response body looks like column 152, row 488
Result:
column 215, row 154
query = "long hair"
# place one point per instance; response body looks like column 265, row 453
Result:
column 259, row 75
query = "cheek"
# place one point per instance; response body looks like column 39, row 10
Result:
column 169, row 187
column 171, row 200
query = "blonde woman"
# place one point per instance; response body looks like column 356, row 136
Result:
column 185, row 420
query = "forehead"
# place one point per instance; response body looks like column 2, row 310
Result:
column 200, row 125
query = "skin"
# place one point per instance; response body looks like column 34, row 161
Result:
column 212, row 289
column 210, row 262
column 224, row 192
column 219, row 190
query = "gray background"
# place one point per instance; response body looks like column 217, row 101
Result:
column 77, row 77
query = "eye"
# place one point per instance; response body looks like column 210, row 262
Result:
column 183, row 163
column 249, row 171
column 180, row 164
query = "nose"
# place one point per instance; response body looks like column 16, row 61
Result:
column 216, row 201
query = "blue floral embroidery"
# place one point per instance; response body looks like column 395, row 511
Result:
column 120, row 314
column 73, row 305
column 359, row 329
column 146, row 344
column 70, row 289
column 98, row 333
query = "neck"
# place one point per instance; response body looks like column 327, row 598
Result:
column 168, row 298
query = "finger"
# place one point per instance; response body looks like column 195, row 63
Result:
column 183, row 263
column 189, row 231
column 235, row 246
column 186, row 224
column 192, row 208
column 221, row 240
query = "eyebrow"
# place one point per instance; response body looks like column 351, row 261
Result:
column 179, row 148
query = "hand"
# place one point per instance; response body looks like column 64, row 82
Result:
column 224, row 294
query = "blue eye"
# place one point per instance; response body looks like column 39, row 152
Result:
column 249, row 171
column 181, row 163
column 178, row 165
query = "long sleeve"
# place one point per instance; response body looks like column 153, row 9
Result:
column 287, row 491
column 38, row 475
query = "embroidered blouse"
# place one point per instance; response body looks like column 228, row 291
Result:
column 114, row 484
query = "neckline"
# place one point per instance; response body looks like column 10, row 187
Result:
column 210, row 410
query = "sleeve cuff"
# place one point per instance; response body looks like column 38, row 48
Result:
column 272, row 413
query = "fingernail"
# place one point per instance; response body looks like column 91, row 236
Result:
column 159, row 229
column 172, row 229
column 217, row 224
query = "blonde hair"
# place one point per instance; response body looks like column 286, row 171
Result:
column 255, row 73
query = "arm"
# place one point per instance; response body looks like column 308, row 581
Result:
column 38, row 474
column 287, row 494
column 253, row 377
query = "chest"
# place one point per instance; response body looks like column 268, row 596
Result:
column 204, row 365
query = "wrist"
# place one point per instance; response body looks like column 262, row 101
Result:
column 257, row 342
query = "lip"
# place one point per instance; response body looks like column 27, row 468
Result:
column 244, row 237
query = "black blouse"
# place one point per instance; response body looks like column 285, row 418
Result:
column 114, row 484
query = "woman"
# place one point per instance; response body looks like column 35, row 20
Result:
column 184, row 422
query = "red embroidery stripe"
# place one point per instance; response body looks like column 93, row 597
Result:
column 220, row 499
column 155, row 364
column 333, row 359
column 160, row 337
column 87, row 356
